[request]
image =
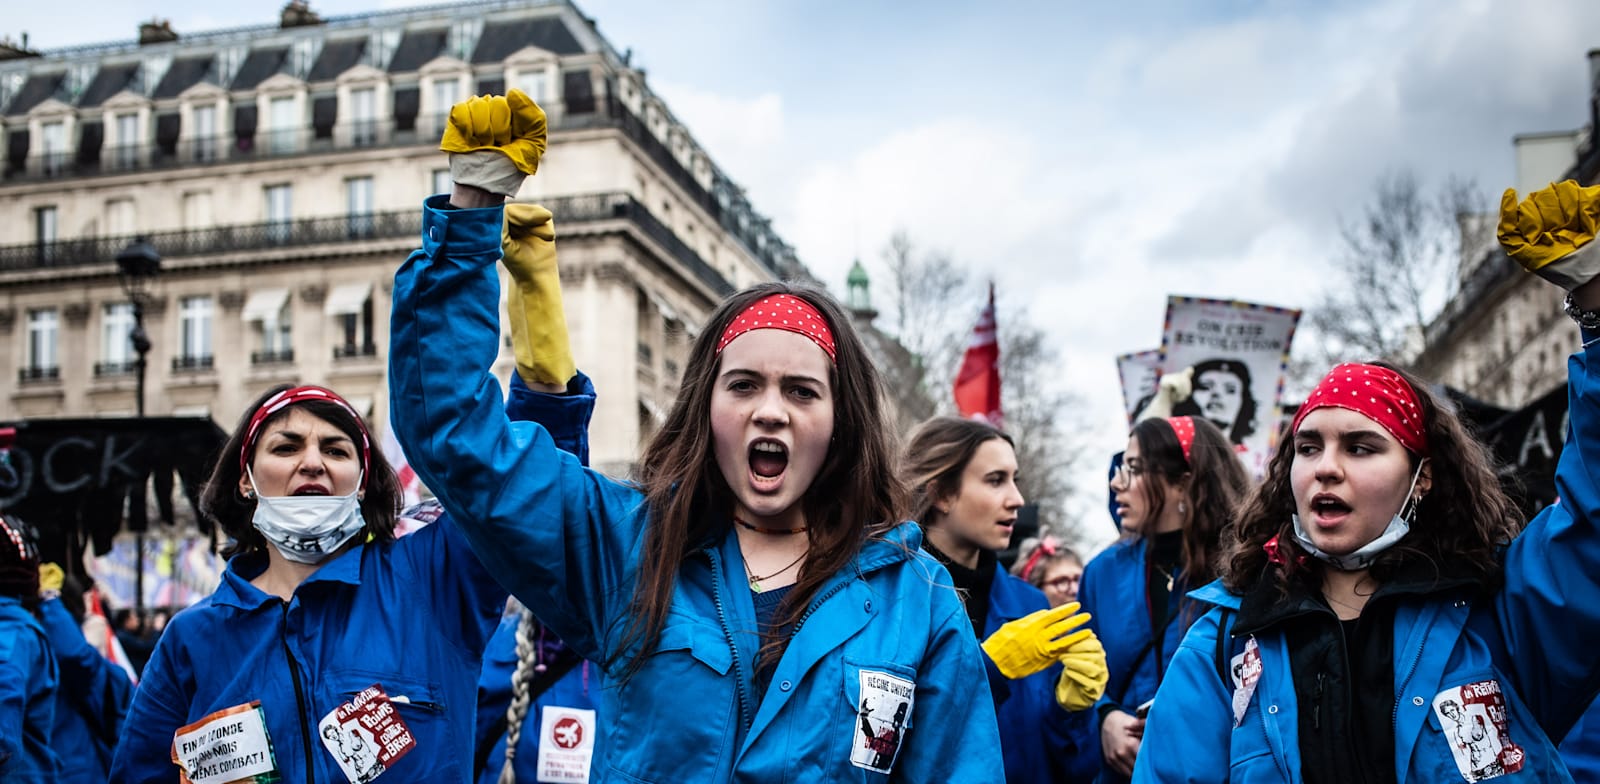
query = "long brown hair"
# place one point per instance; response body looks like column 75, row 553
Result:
column 854, row 497
column 1460, row 526
column 221, row 502
column 1215, row 482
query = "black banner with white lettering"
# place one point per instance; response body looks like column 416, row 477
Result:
column 73, row 478
column 1527, row 444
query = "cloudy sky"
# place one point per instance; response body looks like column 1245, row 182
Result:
column 1091, row 158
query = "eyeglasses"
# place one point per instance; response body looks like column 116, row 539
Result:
column 1129, row 471
column 1062, row 583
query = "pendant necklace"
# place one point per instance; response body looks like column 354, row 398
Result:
column 755, row 580
column 1164, row 573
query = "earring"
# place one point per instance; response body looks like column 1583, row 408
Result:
column 248, row 494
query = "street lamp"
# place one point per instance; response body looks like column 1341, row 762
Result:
column 137, row 268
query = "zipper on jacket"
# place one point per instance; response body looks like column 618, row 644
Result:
column 1316, row 702
column 745, row 720
column 299, row 696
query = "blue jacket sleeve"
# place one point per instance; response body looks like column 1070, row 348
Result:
column 566, row 417
column 87, row 679
column 959, row 740
column 558, row 536
column 1187, row 737
column 1549, row 610
column 143, row 753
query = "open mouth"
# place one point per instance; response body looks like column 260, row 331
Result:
column 1329, row 508
column 768, row 459
column 311, row 490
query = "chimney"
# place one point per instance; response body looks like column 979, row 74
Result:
column 298, row 13
column 156, row 31
column 14, row 51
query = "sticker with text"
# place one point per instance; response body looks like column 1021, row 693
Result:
column 1246, row 671
column 566, row 745
column 366, row 735
column 226, row 746
column 881, row 720
column 1479, row 731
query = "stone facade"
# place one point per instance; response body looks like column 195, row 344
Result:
column 279, row 172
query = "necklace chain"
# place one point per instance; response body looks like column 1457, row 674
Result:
column 755, row 580
column 1164, row 573
column 771, row 531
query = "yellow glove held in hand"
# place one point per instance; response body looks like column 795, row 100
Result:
column 1083, row 675
column 1031, row 643
column 495, row 141
column 538, row 319
column 1551, row 233
column 51, row 577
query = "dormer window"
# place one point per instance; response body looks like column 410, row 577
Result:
column 53, row 147
column 446, row 92
column 126, row 154
column 364, row 117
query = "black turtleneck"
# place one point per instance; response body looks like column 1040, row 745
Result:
column 1163, row 560
column 973, row 583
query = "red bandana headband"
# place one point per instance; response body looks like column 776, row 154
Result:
column 1184, row 428
column 1379, row 394
column 785, row 312
column 289, row 397
column 16, row 539
column 1047, row 546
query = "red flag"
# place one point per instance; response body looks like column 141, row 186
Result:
column 978, row 382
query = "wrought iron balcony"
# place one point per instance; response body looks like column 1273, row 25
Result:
column 353, row 351
column 272, row 357
column 192, row 364
column 571, row 211
column 115, row 368
column 34, row 374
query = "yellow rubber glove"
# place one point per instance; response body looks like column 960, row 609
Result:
column 51, row 577
column 538, row 319
column 495, row 141
column 1083, row 675
column 1033, row 642
column 1551, row 233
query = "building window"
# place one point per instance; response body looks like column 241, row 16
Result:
column 53, row 148
column 358, row 202
column 268, row 308
column 283, row 125
column 120, row 217
column 126, row 154
column 44, row 329
column 44, row 232
column 279, row 210
column 351, row 305
column 535, row 84
column 194, row 339
column 442, row 182
column 445, row 95
column 364, row 117
column 116, row 343
column 197, row 210
column 205, row 132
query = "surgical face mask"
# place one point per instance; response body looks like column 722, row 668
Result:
column 1398, row 527
column 308, row 528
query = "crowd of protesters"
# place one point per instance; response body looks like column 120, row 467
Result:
column 782, row 595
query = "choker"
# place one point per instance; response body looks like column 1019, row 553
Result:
column 770, row 531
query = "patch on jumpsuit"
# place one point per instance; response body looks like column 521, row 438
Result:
column 886, row 703
column 1246, row 670
column 1479, row 731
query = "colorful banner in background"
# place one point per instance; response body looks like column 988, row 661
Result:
column 1140, row 372
column 178, row 571
column 1240, row 355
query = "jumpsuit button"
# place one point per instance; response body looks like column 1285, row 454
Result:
column 867, row 606
column 1272, row 709
column 785, row 686
column 433, row 233
column 1417, row 701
